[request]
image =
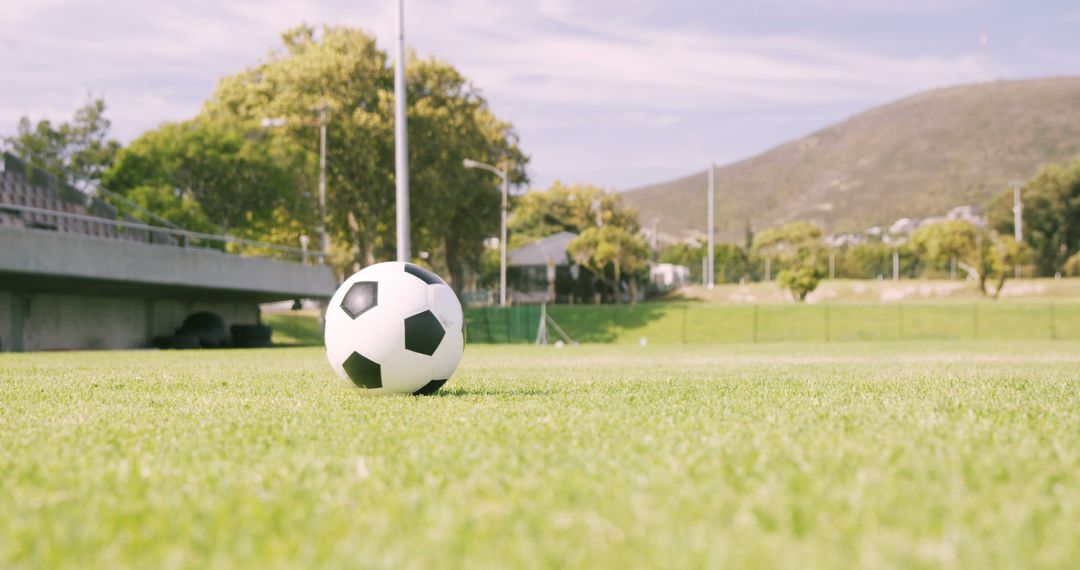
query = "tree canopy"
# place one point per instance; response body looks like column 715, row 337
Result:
column 263, row 180
column 1051, row 212
column 78, row 151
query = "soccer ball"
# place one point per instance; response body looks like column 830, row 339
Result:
column 395, row 328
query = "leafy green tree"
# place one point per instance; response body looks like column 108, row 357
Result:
column 205, row 175
column 731, row 261
column 1072, row 265
column 455, row 208
column 938, row 244
column 801, row 281
column 1051, row 215
column 574, row 208
column 612, row 253
column 78, row 151
column 685, row 254
column 341, row 72
column 798, row 245
column 983, row 254
column 1005, row 254
column 865, row 260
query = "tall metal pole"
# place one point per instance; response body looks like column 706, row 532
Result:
column 711, row 282
column 401, row 143
column 502, row 237
column 324, row 239
column 1018, row 214
column 1018, row 220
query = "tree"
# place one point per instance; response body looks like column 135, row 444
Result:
column 731, row 261
column 456, row 207
column 799, row 247
column 686, row 254
column 610, row 253
column 865, row 260
column 938, row 244
column 1051, row 226
column 208, row 176
column 78, row 151
column 1005, row 254
column 341, row 71
column 572, row 209
column 983, row 254
column 801, row 281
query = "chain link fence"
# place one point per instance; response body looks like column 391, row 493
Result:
column 688, row 323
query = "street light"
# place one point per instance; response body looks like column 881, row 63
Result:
column 324, row 239
column 505, row 176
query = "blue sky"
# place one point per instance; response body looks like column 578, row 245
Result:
column 618, row 93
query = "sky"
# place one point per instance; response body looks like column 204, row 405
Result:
column 617, row 93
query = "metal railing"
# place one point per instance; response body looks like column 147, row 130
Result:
column 185, row 237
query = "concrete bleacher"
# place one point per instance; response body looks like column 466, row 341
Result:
column 75, row 273
column 47, row 192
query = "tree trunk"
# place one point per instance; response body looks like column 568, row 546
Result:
column 618, row 283
column 454, row 265
column 633, row 292
column 1000, row 284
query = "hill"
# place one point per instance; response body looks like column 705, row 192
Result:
column 916, row 157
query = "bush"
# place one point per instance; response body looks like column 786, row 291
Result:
column 800, row 281
column 1072, row 265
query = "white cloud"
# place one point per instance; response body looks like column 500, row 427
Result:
column 553, row 66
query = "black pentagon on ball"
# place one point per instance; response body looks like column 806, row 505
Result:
column 423, row 333
column 430, row 388
column 363, row 372
column 360, row 298
column 423, row 274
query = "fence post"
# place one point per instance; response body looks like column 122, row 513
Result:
column 754, row 330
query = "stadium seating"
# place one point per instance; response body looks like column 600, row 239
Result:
column 45, row 192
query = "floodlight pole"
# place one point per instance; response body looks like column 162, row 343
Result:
column 503, row 173
column 1018, row 213
column 401, row 142
column 711, row 269
column 1018, row 220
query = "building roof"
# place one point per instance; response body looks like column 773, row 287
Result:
column 539, row 252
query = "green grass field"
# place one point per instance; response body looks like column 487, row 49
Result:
column 911, row 454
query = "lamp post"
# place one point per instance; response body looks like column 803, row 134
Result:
column 324, row 238
column 504, row 174
column 711, row 265
column 1018, row 217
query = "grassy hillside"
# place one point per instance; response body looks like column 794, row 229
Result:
column 916, row 157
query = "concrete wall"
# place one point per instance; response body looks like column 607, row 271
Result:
column 166, row 315
column 68, row 322
column 55, row 321
column 43, row 255
column 5, row 322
